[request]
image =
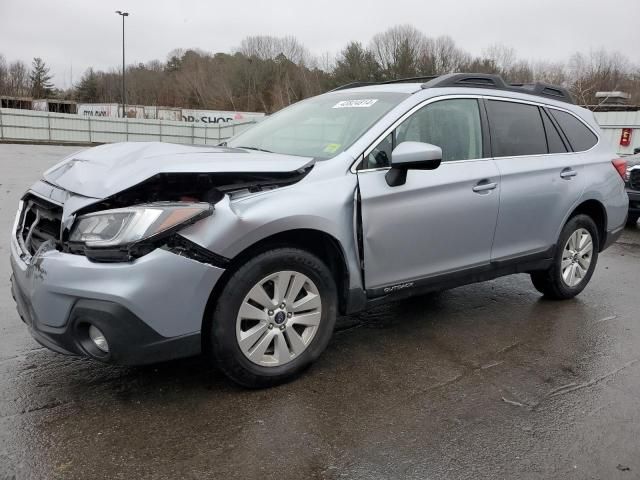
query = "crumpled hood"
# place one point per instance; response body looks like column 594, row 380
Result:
column 103, row 171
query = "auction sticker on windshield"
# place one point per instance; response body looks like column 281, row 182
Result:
column 362, row 103
column 331, row 148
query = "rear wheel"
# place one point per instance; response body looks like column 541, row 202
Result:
column 632, row 219
column 273, row 318
column 574, row 261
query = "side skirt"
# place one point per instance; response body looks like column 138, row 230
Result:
column 497, row 268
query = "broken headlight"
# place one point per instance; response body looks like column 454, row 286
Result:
column 125, row 233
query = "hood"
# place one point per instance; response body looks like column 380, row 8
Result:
column 103, row 171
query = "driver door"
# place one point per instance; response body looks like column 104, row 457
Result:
column 440, row 221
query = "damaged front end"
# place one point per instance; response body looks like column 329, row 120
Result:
column 132, row 223
column 145, row 216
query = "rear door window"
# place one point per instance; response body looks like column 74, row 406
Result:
column 516, row 129
column 580, row 137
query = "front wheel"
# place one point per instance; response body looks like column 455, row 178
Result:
column 632, row 219
column 573, row 263
column 274, row 317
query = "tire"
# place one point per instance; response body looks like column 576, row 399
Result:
column 551, row 283
column 239, row 342
column 632, row 220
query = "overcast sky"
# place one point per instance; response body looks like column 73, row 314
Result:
column 71, row 35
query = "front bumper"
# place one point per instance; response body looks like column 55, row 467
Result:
column 149, row 310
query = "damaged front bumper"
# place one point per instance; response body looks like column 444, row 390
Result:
column 149, row 310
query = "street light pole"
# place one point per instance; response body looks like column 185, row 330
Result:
column 124, row 92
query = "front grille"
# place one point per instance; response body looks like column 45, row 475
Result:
column 41, row 221
column 634, row 179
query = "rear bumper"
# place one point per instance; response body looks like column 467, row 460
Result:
column 149, row 310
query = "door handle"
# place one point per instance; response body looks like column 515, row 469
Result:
column 568, row 173
column 484, row 187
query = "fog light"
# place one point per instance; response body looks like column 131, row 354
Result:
column 98, row 339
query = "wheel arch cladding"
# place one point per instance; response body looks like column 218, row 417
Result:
column 596, row 211
column 321, row 244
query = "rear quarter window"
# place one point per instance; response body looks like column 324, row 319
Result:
column 555, row 142
column 579, row 135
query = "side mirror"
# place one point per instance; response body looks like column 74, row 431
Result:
column 412, row 156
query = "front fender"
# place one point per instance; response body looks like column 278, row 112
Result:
column 325, row 205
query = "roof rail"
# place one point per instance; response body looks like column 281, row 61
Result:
column 477, row 80
column 545, row 90
column 353, row 85
column 409, row 79
column 485, row 80
column 387, row 82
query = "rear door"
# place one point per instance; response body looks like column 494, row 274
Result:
column 439, row 221
column 540, row 179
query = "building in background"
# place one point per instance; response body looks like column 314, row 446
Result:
column 609, row 99
column 19, row 103
column 107, row 110
column 209, row 117
column 621, row 129
column 55, row 106
column 619, row 121
column 215, row 117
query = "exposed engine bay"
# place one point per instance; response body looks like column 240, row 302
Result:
column 197, row 187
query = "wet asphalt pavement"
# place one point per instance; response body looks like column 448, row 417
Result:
column 484, row 381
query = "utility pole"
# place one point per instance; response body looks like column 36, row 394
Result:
column 124, row 92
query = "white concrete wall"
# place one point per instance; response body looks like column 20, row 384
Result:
column 27, row 125
column 612, row 124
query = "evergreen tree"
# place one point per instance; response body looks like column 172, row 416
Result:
column 87, row 89
column 40, row 79
column 174, row 63
column 355, row 63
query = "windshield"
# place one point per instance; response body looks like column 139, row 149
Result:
column 320, row 127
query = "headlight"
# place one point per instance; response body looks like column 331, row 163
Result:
column 124, row 226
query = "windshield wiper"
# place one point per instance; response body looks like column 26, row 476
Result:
column 257, row 149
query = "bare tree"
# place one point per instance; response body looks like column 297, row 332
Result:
column 595, row 71
column 4, row 75
column 398, row 51
column 18, row 77
column 502, row 56
column 550, row 72
column 447, row 56
column 266, row 47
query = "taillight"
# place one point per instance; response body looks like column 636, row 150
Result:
column 620, row 164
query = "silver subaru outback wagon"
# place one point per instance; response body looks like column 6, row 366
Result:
column 135, row 253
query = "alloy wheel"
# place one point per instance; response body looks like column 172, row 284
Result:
column 576, row 257
column 278, row 318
